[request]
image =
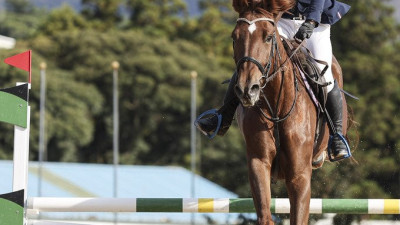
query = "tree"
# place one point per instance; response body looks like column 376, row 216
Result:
column 154, row 90
column 62, row 19
column 104, row 12
column 157, row 17
column 13, row 24
column 19, row 6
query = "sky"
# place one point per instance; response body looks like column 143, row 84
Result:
column 396, row 4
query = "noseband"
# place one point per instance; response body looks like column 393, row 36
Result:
column 265, row 71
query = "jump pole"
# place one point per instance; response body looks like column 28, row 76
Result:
column 209, row 205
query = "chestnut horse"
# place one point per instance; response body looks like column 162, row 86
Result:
column 275, row 110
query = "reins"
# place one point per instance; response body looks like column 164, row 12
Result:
column 283, row 65
column 274, row 117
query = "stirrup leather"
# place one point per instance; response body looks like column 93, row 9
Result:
column 330, row 150
column 209, row 113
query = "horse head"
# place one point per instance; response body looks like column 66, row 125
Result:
column 253, row 39
column 254, row 44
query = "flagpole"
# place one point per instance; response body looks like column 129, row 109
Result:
column 30, row 66
column 115, row 66
column 193, row 76
column 42, row 149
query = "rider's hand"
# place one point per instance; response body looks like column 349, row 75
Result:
column 306, row 30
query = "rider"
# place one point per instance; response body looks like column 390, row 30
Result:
column 309, row 19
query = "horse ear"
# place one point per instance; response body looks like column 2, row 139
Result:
column 235, row 5
column 242, row 5
column 239, row 5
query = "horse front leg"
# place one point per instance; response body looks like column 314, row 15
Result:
column 261, row 151
column 259, row 176
column 298, row 183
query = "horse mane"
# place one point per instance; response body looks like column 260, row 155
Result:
column 271, row 6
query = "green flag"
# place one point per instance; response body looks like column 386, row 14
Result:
column 14, row 105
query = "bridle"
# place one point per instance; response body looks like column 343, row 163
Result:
column 267, row 75
column 274, row 46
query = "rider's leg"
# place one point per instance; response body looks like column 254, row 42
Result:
column 287, row 28
column 320, row 46
column 334, row 106
column 208, row 125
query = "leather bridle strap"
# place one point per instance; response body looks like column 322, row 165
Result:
column 249, row 59
column 255, row 20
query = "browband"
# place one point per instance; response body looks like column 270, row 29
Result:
column 255, row 20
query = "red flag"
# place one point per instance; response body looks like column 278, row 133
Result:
column 22, row 61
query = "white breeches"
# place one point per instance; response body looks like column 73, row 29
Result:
column 319, row 43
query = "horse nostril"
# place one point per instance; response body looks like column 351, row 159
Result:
column 238, row 91
column 254, row 89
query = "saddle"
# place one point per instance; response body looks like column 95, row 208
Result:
column 312, row 76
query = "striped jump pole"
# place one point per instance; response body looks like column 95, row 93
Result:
column 209, row 205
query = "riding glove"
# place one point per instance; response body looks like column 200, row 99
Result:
column 306, row 30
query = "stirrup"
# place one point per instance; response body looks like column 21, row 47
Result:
column 207, row 113
column 330, row 152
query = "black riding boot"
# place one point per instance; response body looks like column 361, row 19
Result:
column 209, row 125
column 334, row 106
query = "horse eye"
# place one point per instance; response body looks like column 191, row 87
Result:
column 268, row 38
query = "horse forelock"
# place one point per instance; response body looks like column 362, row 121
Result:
column 271, row 6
